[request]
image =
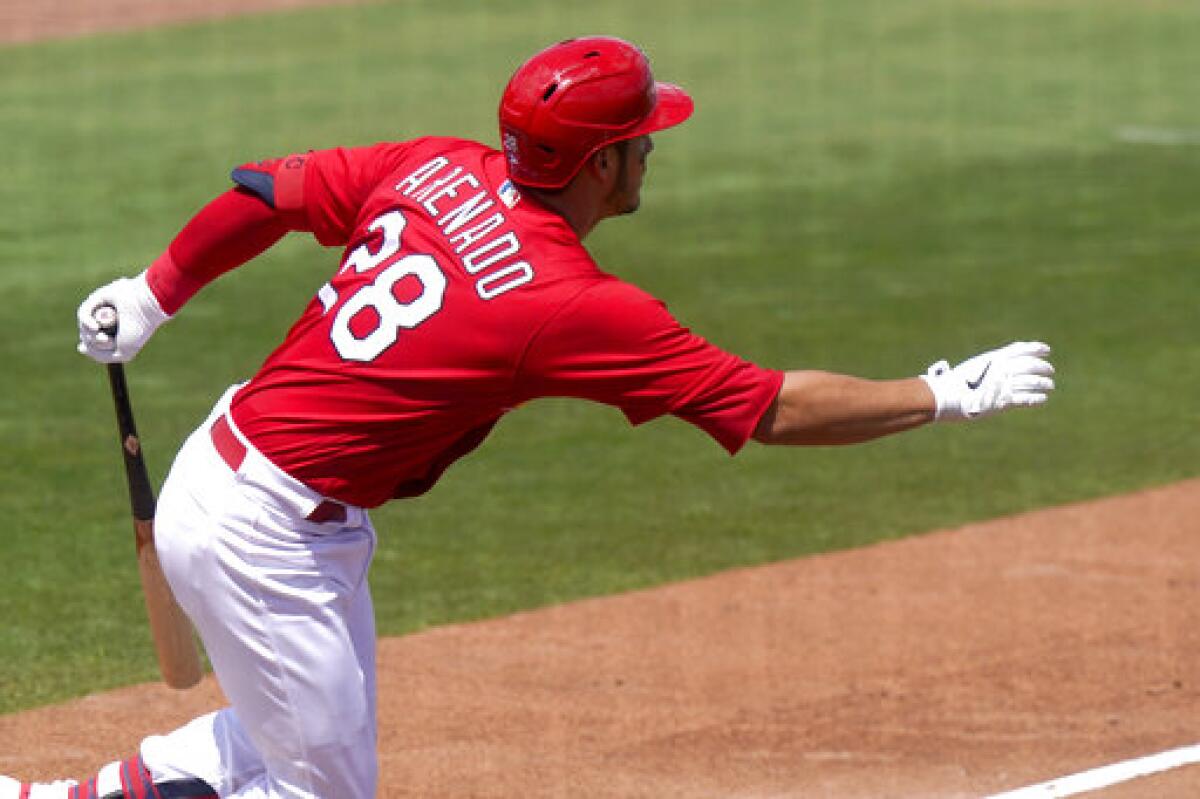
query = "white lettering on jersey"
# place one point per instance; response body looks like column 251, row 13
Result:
column 449, row 189
column 509, row 246
column 391, row 225
column 514, row 275
column 437, row 185
column 484, row 251
column 422, row 174
column 477, row 233
column 456, row 218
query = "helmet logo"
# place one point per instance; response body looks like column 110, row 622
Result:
column 511, row 149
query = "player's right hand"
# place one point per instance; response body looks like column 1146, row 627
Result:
column 138, row 313
column 1017, row 375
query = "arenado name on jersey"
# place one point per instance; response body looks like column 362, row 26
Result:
column 482, row 249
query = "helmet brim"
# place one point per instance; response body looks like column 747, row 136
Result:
column 672, row 106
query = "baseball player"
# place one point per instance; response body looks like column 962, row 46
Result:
column 463, row 291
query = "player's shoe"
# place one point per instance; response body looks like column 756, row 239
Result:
column 126, row 779
column 59, row 789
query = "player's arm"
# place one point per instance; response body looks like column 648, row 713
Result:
column 824, row 408
column 232, row 230
column 268, row 200
column 227, row 232
column 318, row 192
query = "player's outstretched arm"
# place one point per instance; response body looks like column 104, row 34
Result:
column 826, row 408
column 818, row 408
column 226, row 233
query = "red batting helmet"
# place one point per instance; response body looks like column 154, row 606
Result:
column 572, row 98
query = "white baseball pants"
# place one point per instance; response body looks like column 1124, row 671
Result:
column 283, row 608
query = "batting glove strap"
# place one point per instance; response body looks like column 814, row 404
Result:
column 1015, row 376
column 139, row 314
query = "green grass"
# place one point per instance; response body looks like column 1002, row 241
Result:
column 866, row 187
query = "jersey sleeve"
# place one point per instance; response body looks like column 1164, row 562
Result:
column 618, row 345
column 321, row 191
column 232, row 229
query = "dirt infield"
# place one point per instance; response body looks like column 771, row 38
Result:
column 955, row 664
column 33, row 20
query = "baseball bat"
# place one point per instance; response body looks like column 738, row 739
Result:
column 178, row 658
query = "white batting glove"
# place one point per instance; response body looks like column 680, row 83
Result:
column 1014, row 376
column 138, row 315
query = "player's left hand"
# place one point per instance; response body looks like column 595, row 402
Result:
column 1017, row 375
column 138, row 311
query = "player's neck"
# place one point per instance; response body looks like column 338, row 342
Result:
column 578, row 204
column 575, row 214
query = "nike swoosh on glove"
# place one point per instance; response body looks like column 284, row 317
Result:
column 1014, row 376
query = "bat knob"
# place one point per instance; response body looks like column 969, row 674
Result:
column 106, row 317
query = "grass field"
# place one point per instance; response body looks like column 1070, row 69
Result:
column 866, row 187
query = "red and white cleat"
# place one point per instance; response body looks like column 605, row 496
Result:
column 59, row 789
column 125, row 779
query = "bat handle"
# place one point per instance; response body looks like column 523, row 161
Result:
column 106, row 316
column 141, row 496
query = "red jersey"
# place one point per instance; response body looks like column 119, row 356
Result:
column 458, row 299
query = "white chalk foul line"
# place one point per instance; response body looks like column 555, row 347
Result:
column 1165, row 137
column 1105, row 776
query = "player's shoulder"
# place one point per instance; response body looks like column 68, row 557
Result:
column 451, row 147
column 610, row 289
column 390, row 155
column 602, row 298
